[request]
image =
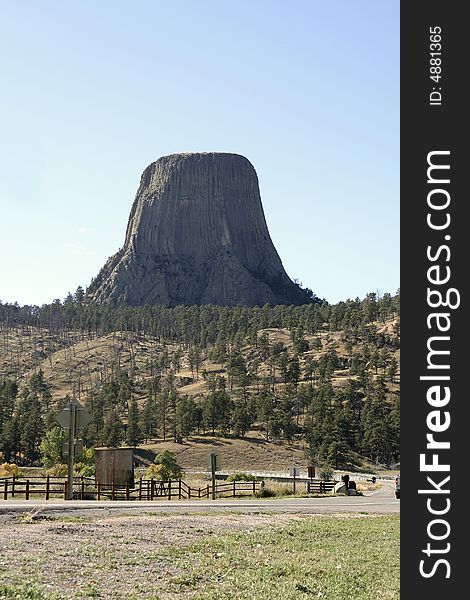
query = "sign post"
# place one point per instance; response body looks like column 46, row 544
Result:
column 213, row 464
column 73, row 417
column 295, row 472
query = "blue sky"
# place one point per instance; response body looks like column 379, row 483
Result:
column 92, row 92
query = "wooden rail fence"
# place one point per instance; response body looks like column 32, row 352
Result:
column 86, row 488
column 321, row 487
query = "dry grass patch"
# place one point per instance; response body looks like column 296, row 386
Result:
column 194, row 556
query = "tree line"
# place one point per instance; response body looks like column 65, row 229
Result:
column 202, row 326
column 287, row 394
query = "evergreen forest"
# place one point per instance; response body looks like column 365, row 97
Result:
column 326, row 376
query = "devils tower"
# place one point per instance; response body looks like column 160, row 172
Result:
column 196, row 235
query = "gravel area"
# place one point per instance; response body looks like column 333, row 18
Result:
column 110, row 557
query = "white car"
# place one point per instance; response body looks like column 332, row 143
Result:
column 397, row 487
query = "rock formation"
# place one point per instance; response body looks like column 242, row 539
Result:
column 196, row 235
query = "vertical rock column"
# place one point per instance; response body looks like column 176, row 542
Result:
column 196, row 235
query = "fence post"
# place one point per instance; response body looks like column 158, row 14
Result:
column 151, row 488
column 234, row 489
column 5, row 492
column 127, row 491
column 207, row 490
column 83, row 487
column 254, row 487
column 179, row 490
column 99, row 490
column 65, row 490
column 140, row 488
column 13, row 487
column 47, row 487
column 169, row 489
column 27, row 489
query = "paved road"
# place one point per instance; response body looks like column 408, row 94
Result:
column 382, row 501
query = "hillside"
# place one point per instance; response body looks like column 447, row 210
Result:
column 324, row 381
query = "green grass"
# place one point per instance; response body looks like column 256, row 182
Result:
column 24, row 591
column 326, row 557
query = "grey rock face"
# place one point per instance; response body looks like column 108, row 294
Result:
column 196, row 235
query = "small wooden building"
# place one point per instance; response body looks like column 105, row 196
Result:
column 114, row 466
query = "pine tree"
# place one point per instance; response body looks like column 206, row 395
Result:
column 30, row 424
column 10, row 439
column 149, row 418
column 392, row 370
column 8, row 394
column 113, row 430
column 265, row 408
column 79, row 295
column 186, row 417
column 241, row 421
column 133, row 433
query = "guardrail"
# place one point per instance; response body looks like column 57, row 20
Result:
column 286, row 476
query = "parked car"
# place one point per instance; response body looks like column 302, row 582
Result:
column 397, row 487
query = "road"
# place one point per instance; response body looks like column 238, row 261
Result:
column 379, row 502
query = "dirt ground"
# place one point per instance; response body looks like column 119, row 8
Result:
column 113, row 557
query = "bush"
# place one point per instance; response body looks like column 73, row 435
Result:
column 275, row 489
column 326, row 474
column 285, row 490
column 155, row 472
column 265, row 493
column 84, row 470
column 165, row 467
column 240, row 477
column 9, row 470
column 51, row 447
column 58, row 470
column 85, row 465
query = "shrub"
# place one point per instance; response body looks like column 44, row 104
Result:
column 165, row 467
column 58, row 470
column 265, row 493
column 9, row 470
column 285, row 490
column 85, row 465
column 326, row 474
column 84, row 470
column 275, row 489
column 240, row 477
column 155, row 472
column 51, row 447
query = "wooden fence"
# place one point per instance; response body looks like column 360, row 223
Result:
column 86, row 488
column 316, row 486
